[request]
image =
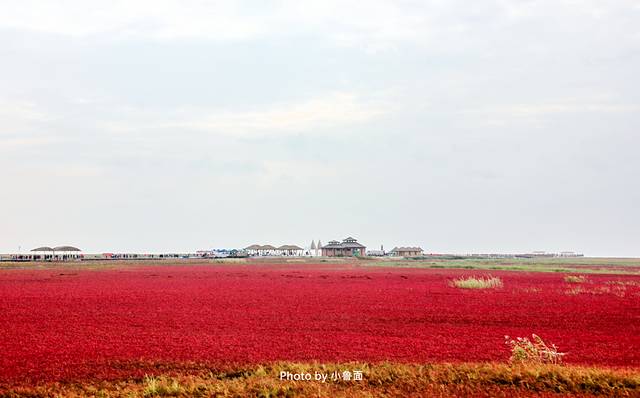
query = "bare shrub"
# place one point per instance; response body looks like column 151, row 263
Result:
column 537, row 351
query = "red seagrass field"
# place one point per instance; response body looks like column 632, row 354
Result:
column 62, row 324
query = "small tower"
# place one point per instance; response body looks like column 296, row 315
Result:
column 313, row 250
column 319, row 248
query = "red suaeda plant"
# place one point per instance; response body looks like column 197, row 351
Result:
column 62, row 325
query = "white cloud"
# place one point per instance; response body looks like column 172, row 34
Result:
column 298, row 171
column 535, row 113
column 137, row 96
column 318, row 114
column 18, row 143
column 380, row 24
column 21, row 126
column 155, row 19
column 16, row 116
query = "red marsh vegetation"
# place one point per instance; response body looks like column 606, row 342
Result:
column 73, row 324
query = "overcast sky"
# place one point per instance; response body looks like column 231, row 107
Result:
column 459, row 126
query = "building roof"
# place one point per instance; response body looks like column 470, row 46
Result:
column 42, row 249
column 347, row 243
column 269, row 247
column 407, row 249
column 351, row 245
column 289, row 247
column 66, row 249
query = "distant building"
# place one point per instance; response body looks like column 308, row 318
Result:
column 269, row 250
column 290, row 250
column 407, row 251
column 261, row 250
column 253, row 250
column 348, row 248
column 313, row 249
column 541, row 253
column 377, row 253
column 570, row 254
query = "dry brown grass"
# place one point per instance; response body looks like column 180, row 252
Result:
column 623, row 283
column 575, row 279
column 616, row 290
column 386, row 379
column 472, row 282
